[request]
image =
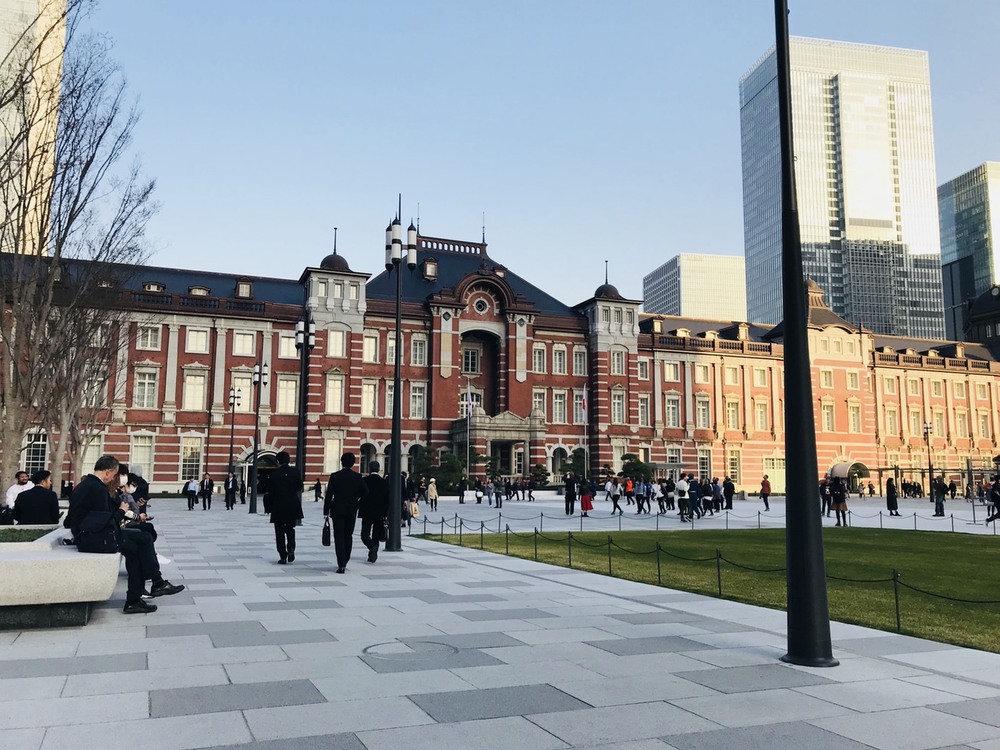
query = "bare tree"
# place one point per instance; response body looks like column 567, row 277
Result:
column 73, row 224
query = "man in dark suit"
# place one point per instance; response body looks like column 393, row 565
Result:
column 284, row 489
column 39, row 504
column 206, row 489
column 374, row 510
column 232, row 486
column 344, row 492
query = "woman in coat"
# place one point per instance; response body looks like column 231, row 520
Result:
column 891, row 498
column 432, row 494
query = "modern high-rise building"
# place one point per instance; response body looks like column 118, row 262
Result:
column 865, row 184
column 969, row 208
column 698, row 286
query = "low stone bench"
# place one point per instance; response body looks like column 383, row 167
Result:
column 47, row 584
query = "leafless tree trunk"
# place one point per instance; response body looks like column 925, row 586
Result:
column 73, row 220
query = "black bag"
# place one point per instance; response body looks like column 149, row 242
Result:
column 6, row 516
column 99, row 533
column 326, row 532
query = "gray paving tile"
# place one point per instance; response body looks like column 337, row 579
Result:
column 280, row 606
column 649, row 618
column 625, row 691
column 220, row 698
column 333, row 718
column 211, row 592
column 652, row 645
column 496, row 584
column 395, row 576
column 343, row 741
column 432, row 596
column 614, row 725
column 985, row 710
column 887, row 645
column 468, row 640
column 495, row 703
column 150, row 679
column 60, row 666
column 760, row 707
column 753, row 677
column 881, row 695
column 418, row 656
column 198, row 581
column 794, row 734
column 514, row 733
column 303, row 584
column 173, row 733
column 908, row 729
column 481, row 615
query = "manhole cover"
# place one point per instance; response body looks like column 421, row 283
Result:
column 413, row 651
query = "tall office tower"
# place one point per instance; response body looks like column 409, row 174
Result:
column 969, row 208
column 698, row 286
column 865, row 184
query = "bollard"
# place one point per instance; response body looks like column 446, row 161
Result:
column 895, row 592
column 482, row 528
column 459, row 529
column 609, row 553
column 718, row 570
column 619, row 521
column 540, row 521
column 880, row 519
column 536, row 544
column 973, row 512
column 758, row 519
column 953, row 522
column 506, row 540
column 442, row 528
column 727, row 520
column 581, row 521
column 914, row 521
column 425, row 525
column 499, row 515
column 569, row 547
column 657, row 521
column 659, row 575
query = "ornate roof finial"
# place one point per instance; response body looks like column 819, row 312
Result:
column 335, row 240
column 605, row 272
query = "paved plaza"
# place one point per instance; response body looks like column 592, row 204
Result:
column 445, row 647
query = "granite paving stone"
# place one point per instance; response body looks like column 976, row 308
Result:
column 150, row 679
column 625, row 691
column 793, row 734
column 755, row 677
column 908, row 729
column 880, row 695
column 504, row 614
column 495, row 703
column 22, row 739
column 650, row 645
column 217, row 698
column 985, row 710
column 286, row 605
column 20, row 714
column 343, row 741
column 334, row 718
column 594, row 726
column 759, row 707
column 513, row 733
column 172, row 733
column 123, row 662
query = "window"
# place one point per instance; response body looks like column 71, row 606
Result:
column 701, row 374
column 733, row 465
column 672, row 372
column 579, row 361
column 984, row 425
column 672, row 411
column 937, row 388
column 476, row 399
column 827, row 418
column 338, row 290
column 850, row 346
column 853, row 381
column 352, row 291
column 702, row 414
column 288, row 395
column 151, row 286
column 759, row 379
column 559, row 361
column 824, row 346
column 538, row 400
column 418, row 400
column 704, row 463
column 913, row 387
column 854, row 417
column 335, row 394
column 390, row 393
column 643, row 373
column 644, row 411
column 891, row 421
column 418, row 351
column 197, row 341
column 732, row 375
column 673, row 456
column 471, row 356
column 370, row 349
column 961, row 424
column 336, row 344
column 733, row 415
column 199, row 291
column 243, row 344
column 959, row 389
column 144, row 393
column 838, row 346
column 244, row 289
column 760, row 416
column 322, row 288
column 826, row 378
column 618, row 315
column 538, row 358
column 191, row 457
column 95, row 391
column 559, row 407
column 579, row 408
column 390, row 348
column 938, row 422
column 369, row 392
column 286, row 346
column 982, row 393
column 194, row 391
column 890, row 386
column 331, row 454
column 148, row 338
column 36, row 452
column 605, row 315
column 916, row 423
column 618, row 407
column 140, row 456
column 618, row 362
column 244, row 386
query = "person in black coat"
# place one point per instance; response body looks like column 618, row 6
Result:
column 569, row 487
column 38, row 505
column 374, row 510
column 205, row 489
column 728, row 491
column 231, row 487
column 891, row 497
column 285, row 491
column 344, row 493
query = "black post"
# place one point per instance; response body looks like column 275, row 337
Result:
column 259, row 382
column 305, row 342
column 809, row 642
column 234, row 401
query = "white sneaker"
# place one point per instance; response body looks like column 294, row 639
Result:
column 162, row 560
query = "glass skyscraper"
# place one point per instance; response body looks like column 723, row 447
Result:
column 970, row 230
column 865, row 182
column 697, row 286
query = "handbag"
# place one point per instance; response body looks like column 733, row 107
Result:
column 6, row 516
column 414, row 510
column 99, row 533
column 326, row 532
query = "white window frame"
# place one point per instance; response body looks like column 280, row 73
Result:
column 286, row 346
column 672, row 411
column 618, row 406
column 369, row 347
column 146, row 402
column 560, row 409
column 702, row 413
column 539, row 401
column 617, row 362
column 418, row 350
column 369, row 398
column 187, row 397
column 334, row 393
column 579, row 361
column 192, row 340
column 672, row 372
column 418, row 400
column 240, row 341
column 336, row 344
column 559, row 360
column 144, row 338
column 538, row 357
column 732, row 375
column 702, row 374
column 287, row 398
column 642, row 368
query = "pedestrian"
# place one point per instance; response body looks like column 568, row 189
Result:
column 616, row 494
column 317, row 490
column 243, row 492
column 205, row 490
column 891, row 497
column 871, row 490
column 531, row 490
column 952, row 489
column 191, row 490
column 344, row 492
column 765, row 491
column 683, row 502
column 994, row 496
column 670, row 490
column 716, row 495
column 838, row 494
column 374, row 510
column 231, row 488
column 728, row 491
column 463, row 485
column 586, row 498
column 498, row 492
column 488, row 490
column 569, row 489
column 939, row 490
column 284, row 489
column 607, row 490
column 826, row 496
column 694, row 496
column 432, row 493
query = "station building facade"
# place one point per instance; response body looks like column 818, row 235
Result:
column 492, row 364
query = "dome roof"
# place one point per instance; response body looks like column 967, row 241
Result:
column 607, row 291
column 986, row 304
column 335, row 262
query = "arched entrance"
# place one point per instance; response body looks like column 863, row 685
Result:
column 267, row 461
column 851, row 473
column 559, row 458
column 368, row 453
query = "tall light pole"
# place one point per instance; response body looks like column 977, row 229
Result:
column 928, row 431
column 394, row 262
column 305, row 342
column 259, row 383
column 235, row 395
column 468, row 428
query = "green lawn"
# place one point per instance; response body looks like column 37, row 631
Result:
column 959, row 566
column 11, row 534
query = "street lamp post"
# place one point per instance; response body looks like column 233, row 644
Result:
column 394, row 262
column 235, row 396
column 928, row 430
column 259, row 383
column 305, row 342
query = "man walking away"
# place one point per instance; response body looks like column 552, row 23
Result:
column 374, row 510
column 569, row 488
column 994, row 496
column 765, row 491
column 728, row 490
column 285, row 488
column 344, row 492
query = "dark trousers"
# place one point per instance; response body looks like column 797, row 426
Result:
column 343, row 537
column 616, row 506
column 767, row 505
column 284, row 538
column 192, row 499
column 372, row 532
column 140, row 562
column 206, row 501
column 230, row 499
column 938, row 505
column 570, row 504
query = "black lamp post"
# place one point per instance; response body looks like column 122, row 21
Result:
column 305, row 342
column 928, row 431
column 259, row 383
column 394, row 262
column 234, row 401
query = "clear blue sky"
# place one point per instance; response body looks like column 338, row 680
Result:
column 585, row 130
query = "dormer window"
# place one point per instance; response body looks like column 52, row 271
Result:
column 154, row 286
column 199, row 291
column 244, row 289
column 430, row 269
column 500, row 271
column 105, row 284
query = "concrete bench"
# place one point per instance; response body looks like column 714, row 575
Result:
column 47, row 584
